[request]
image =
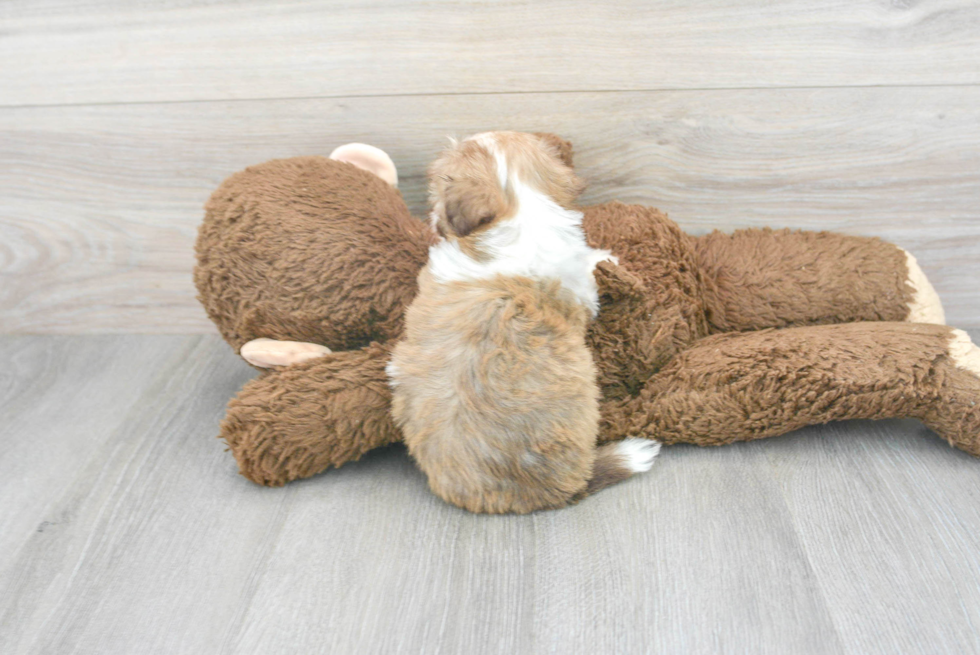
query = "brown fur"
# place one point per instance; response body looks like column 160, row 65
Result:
column 652, row 305
column 308, row 417
column 277, row 249
column 560, row 146
column 822, row 278
column 738, row 387
column 659, row 371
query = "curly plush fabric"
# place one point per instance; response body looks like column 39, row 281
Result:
column 308, row 249
column 738, row 387
column 781, row 278
column 311, row 249
column 295, row 421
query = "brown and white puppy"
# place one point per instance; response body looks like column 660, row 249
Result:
column 494, row 388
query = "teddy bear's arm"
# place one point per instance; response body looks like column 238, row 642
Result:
column 781, row 278
column 738, row 387
column 297, row 421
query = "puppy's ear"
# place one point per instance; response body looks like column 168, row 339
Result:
column 560, row 145
column 464, row 223
column 471, row 205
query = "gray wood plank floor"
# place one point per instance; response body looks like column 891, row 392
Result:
column 167, row 50
column 126, row 529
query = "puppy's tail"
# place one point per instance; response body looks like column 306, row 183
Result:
column 614, row 462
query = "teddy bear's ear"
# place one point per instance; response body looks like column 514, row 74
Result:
column 373, row 160
column 563, row 147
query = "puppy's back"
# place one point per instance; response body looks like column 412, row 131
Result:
column 495, row 391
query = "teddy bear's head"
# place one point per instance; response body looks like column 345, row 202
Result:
column 310, row 249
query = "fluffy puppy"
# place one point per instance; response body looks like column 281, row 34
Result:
column 494, row 388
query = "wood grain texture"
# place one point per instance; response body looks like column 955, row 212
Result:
column 853, row 537
column 60, row 401
column 106, row 554
column 882, row 516
column 99, row 206
column 58, row 52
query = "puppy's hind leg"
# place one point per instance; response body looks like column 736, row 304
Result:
column 614, row 462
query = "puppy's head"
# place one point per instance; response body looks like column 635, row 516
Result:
column 473, row 183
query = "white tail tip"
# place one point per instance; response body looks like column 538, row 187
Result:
column 638, row 454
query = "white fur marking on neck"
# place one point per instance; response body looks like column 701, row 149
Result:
column 543, row 240
column 489, row 142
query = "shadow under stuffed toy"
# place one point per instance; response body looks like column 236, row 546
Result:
column 307, row 265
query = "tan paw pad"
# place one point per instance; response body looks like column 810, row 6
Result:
column 266, row 353
column 964, row 352
column 373, row 160
column 925, row 306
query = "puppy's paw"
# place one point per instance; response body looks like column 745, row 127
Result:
column 266, row 353
column 638, row 454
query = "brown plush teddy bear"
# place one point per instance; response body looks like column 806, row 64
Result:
column 307, row 265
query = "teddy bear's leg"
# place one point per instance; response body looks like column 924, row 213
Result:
column 780, row 278
column 737, row 387
column 297, row 421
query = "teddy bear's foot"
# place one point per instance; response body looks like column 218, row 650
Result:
column 955, row 416
column 373, row 160
column 924, row 306
column 297, row 421
column 267, row 353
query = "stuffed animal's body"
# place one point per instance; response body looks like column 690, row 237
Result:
column 705, row 340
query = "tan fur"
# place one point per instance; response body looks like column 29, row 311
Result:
column 496, row 393
column 495, row 390
column 315, row 250
column 964, row 352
